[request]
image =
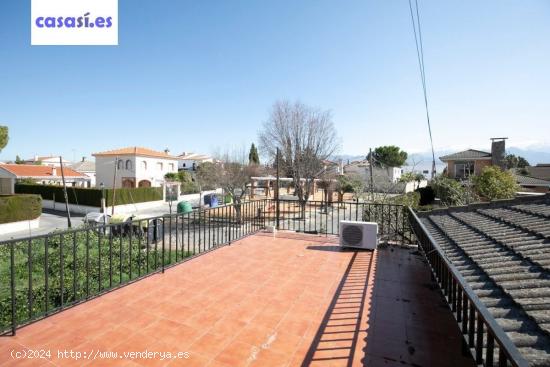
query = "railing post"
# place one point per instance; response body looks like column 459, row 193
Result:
column 12, row 286
column 479, row 340
column 163, row 236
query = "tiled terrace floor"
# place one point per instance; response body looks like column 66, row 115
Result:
column 289, row 300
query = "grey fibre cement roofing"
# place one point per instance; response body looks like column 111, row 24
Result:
column 503, row 251
column 466, row 154
column 527, row 180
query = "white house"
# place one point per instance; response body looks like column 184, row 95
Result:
column 50, row 161
column 135, row 167
column 87, row 168
column 190, row 161
column 10, row 173
column 362, row 169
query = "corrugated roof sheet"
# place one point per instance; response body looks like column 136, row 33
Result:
column 528, row 180
column 541, row 171
column 503, row 251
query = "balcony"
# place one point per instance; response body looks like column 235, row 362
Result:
column 289, row 299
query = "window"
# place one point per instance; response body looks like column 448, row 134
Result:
column 144, row 165
column 464, row 170
column 171, row 166
column 128, row 164
column 120, row 164
column 183, row 165
column 160, row 166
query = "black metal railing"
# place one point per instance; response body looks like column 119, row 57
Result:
column 482, row 335
column 322, row 218
column 43, row 275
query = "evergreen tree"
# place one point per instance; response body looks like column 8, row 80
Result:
column 253, row 157
column 389, row 155
column 3, row 137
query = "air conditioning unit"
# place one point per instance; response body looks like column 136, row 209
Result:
column 358, row 234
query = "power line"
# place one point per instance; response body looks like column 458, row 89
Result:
column 420, row 57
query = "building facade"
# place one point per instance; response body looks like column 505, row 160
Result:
column 190, row 161
column 471, row 162
column 133, row 167
column 380, row 174
column 51, row 161
column 87, row 168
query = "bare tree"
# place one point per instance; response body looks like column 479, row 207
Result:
column 234, row 176
column 206, row 177
column 305, row 137
column 327, row 182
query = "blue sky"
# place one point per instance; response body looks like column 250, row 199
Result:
column 197, row 75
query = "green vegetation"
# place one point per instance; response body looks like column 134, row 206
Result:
column 27, row 181
column 4, row 137
column 513, row 161
column 15, row 208
column 253, row 157
column 79, row 265
column 411, row 199
column 494, row 184
column 389, row 155
column 18, row 160
column 411, row 176
column 187, row 183
column 208, row 175
column 452, row 192
column 92, row 197
column 133, row 195
column 349, row 184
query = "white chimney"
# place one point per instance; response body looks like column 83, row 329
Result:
column 54, row 171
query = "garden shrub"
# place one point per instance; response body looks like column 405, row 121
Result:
column 92, row 196
column 16, row 208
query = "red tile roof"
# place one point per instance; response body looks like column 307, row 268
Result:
column 144, row 152
column 31, row 170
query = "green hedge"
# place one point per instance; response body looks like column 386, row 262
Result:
column 132, row 196
column 15, row 208
column 76, row 195
column 92, row 196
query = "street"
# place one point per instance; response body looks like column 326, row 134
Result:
column 51, row 220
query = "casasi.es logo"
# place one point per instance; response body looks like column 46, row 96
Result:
column 74, row 22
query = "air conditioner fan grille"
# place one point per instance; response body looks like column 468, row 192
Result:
column 352, row 235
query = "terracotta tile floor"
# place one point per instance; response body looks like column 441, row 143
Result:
column 289, row 300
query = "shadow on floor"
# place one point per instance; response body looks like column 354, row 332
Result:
column 328, row 248
column 387, row 311
column 339, row 333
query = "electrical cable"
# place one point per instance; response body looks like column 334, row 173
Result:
column 420, row 57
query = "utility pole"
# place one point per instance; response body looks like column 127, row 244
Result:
column 114, row 187
column 277, row 191
column 65, row 193
column 371, row 168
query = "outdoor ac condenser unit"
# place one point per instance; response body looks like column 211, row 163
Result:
column 358, row 234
